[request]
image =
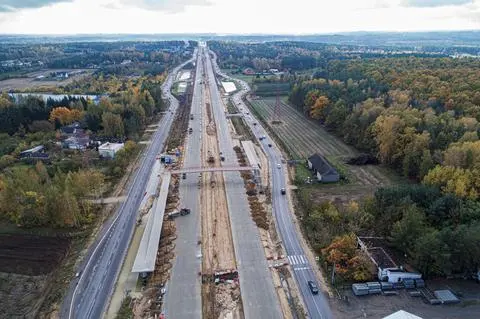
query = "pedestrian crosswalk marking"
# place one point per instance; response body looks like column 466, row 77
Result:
column 297, row 259
column 301, row 268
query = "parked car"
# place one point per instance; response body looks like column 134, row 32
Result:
column 313, row 287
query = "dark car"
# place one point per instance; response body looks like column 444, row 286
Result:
column 269, row 145
column 282, row 191
column 184, row 211
column 184, row 175
column 313, row 287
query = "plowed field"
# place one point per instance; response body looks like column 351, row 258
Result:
column 303, row 137
column 31, row 255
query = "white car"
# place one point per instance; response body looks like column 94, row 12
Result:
column 279, row 166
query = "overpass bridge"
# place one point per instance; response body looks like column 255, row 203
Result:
column 229, row 115
column 210, row 169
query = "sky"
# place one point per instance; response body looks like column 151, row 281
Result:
column 235, row 16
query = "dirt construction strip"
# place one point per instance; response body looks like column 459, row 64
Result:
column 222, row 300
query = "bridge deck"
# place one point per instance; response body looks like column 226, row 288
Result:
column 211, row 169
column 147, row 252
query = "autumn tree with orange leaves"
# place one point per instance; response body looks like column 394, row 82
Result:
column 64, row 115
column 350, row 262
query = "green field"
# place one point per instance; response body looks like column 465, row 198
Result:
column 303, row 137
column 240, row 76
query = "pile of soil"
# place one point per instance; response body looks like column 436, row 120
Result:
column 363, row 159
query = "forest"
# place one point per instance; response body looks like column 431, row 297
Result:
column 297, row 55
column 419, row 116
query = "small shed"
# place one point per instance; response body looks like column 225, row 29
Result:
column 322, row 169
column 109, row 149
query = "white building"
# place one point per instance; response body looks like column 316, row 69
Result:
column 402, row 314
column 109, row 149
column 395, row 275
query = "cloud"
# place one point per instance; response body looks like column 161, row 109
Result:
column 171, row 6
column 13, row 5
column 434, row 3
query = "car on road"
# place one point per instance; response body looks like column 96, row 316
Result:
column 184, row 175
column 313, row 287
column 78, row 274
column 283, row 191
column 279, row 166
column 269, row 145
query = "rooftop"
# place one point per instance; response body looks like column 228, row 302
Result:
column 111, row 146
column 33, row 150
column 402, row 314
column 322, row 165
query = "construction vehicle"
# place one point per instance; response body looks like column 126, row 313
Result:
column 210, row 157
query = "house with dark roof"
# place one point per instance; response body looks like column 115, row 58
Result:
column 71, row 129
column 322, row 169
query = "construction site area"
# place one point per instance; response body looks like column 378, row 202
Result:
column 218, row 263
column 202, row 179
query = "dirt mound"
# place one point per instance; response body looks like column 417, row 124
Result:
column 363, row 159
column 31, row 255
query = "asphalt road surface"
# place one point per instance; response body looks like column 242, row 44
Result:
column 89, row 294
column 259, row 297
column 317, row 305
column 183, row 299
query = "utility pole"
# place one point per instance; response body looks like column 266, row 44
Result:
column 333, row 274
